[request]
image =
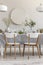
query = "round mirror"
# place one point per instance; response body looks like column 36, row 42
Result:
column 18, row 16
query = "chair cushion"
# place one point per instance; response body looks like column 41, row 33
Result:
column 16, row 43
column 30, row 43
column 10, row 43
column 13, row 43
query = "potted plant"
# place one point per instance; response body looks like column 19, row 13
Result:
column 31, row 24
column 20, row 32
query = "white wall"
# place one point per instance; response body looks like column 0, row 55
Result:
column 30, row 9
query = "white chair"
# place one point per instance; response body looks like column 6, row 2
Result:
column 11, row 36
column 32, row 44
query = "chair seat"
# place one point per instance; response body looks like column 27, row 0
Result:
column 13, row 43
column 10, row 43
column 31, row 44
column 16, row 43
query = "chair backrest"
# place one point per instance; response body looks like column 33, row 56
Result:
column 34, row 37
column 9, row 36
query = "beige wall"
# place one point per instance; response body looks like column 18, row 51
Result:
column 29, row 7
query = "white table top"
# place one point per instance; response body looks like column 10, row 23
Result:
column 34, row 35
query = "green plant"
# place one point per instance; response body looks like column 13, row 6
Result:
column 20, row 32
column 30, row 24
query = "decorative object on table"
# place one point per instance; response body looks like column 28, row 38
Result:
column 31, row 24
column 40, row 30
column 20, row 32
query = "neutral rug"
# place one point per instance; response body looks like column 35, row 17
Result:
column 30, row 61
column 33, row 60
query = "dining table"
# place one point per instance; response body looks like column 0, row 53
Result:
column 21, row 39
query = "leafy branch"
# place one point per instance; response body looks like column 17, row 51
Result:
column 30, row 24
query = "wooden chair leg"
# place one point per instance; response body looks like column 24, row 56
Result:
column 28, row 52
column 33, row 50
column 38, row 51
column 20, row 50
column 10, row 49
column 23, row 49
column 15, row 51
column 5, row 51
